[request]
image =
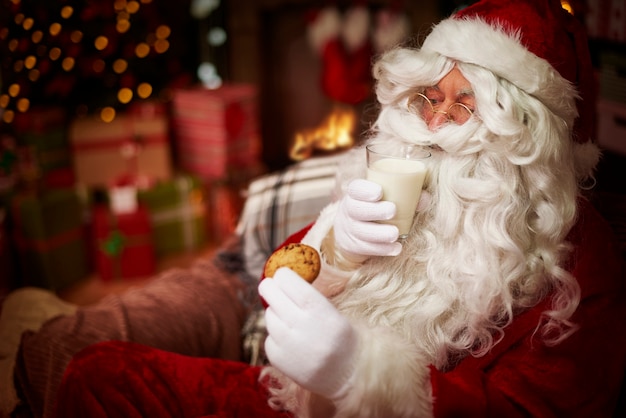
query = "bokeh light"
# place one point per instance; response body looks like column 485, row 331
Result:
column 124, row 95
column 142, row 50
column 120, row 65
column 101, row 42
column 144, row 90
column 107, row 114
column 66, row 12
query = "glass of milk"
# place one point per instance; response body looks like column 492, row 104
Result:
column 400, row 169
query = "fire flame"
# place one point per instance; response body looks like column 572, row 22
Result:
column 334, row 133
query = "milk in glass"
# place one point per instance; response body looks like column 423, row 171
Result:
column 401, row 181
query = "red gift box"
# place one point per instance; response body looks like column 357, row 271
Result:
column 123, row 247
column 135, row 143
column 216, row 131
column 41, row 120
column 224, row 204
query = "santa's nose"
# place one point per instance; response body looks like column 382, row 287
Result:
column 438, row 119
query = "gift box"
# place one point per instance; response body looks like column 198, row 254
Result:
column 178, row 214
column 49, row 236
column 225, row 201
column 122, row 244
column 216, row 131
column 134, row 143
column 45, row 153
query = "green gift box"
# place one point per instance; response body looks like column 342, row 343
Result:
column 42, row 135
column 53, row 149
column 49, row 234
column 177, row 213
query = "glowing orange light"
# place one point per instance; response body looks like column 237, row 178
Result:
column 120, row 65
column 101, row 42
column 119, row 5
column 30, row 62
column 125, row 95
column 28, row 23
column 163, row 32
column 142, row 50
column 18, row 66
column 54, row 53
column 107, row 114
column 13, row 43
column 161, row 46
column 122, row 25
column 8, row 116
column 55, row 29
column 68, row 63
column 567, row 6
column 14, row 90
column 66, row 12
column 33, row 75
column 335, row 132
column 4, row 100
column 23, row 104
column 144, row 90
column 76, row 36
column 132, row 7
column 36, row 36
column 4, row 32
column 19, row 18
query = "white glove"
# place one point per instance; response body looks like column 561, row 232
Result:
column 356, row 231
column 309, row 340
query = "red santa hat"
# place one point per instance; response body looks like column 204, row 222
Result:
column 534, row 44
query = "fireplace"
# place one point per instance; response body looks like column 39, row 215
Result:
column 269, row 47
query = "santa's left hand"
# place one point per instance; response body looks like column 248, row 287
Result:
column 309, row 340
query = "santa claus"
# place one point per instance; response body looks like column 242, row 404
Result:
column 505, row 299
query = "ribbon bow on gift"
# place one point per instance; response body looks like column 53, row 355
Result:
column 113, row 244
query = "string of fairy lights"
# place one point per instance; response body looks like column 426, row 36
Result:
column 55, row 50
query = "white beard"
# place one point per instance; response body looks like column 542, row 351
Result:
column 463, row 270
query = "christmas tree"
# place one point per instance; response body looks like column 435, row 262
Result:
column 94, row 57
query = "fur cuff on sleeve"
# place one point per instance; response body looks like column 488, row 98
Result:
column 392, row 379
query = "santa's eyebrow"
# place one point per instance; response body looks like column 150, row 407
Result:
column 465, row 92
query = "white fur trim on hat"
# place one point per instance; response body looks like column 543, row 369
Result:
column 474, row 41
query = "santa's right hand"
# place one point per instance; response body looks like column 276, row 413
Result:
column 356, row 231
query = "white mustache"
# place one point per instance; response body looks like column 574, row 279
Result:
column 396, row 123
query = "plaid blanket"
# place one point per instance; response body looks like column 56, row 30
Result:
column 282, row 203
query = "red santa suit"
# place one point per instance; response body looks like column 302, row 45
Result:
column 488, row 311
column 519, row 377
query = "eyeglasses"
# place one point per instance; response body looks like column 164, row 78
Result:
column 457, row 112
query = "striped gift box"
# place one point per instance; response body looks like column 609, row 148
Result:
column 216, row 131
